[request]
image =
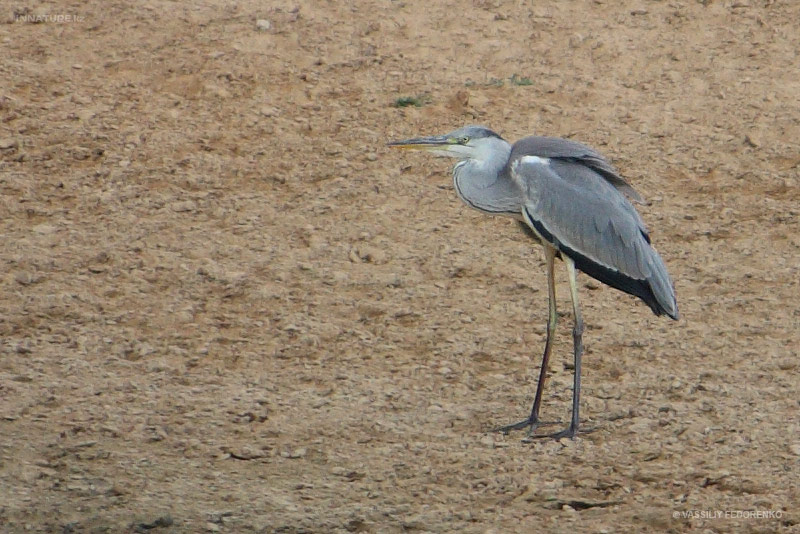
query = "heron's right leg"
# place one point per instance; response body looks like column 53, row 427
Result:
column 532, row 422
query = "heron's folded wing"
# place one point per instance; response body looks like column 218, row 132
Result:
column 589, row 220
column 583, row 213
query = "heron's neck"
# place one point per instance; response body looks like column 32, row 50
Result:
column 485, row 186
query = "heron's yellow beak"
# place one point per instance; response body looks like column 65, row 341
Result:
column 435, row 142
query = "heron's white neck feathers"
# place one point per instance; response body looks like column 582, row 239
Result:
column 481, row 182
column 491, row 154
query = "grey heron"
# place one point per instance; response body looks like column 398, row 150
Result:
column 573, row 201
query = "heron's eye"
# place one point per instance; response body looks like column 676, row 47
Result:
column 463, row 140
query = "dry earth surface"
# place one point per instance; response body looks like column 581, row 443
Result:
column 227, row 307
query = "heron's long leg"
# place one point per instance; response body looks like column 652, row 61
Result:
column 577, row 341
column 533, row 419
column 552, row 319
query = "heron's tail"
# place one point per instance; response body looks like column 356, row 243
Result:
column 662, row 289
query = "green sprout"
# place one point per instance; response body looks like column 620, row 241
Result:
column 416, row 101
column 516, row 79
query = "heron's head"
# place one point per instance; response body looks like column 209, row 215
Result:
column 469, row 142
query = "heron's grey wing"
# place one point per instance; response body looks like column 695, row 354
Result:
column 582, row 215
column 568, row 150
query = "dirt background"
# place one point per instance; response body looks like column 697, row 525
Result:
column 225, row 306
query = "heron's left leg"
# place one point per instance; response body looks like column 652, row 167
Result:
column 532, row 422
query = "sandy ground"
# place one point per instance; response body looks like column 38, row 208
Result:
column 225, row 306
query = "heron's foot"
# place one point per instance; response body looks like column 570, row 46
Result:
column 530, row 423
column 569, row 432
